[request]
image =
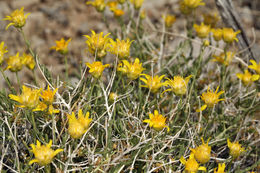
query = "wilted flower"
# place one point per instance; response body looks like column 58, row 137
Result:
column 43, row 153
column 14, row 63
column 100, row 5
column 157, row 121
column 202, row 152
column 221, row 168
column 28, row 60
column 61, row 46
column 229, row 35
column 223, row 58
column 202, row 30
column 210, row 98
column 121, row 48
column 96, row 68
column 137, row 3
column 211, row 19
column 235, row 149
column 217, row 34
column 132, row 70
column 153, row 82
column 169, row 20
column 247, row 78
column 191, row 165
column 17, row 18
column 48, row 95
column 3, row 50
column 255, row 66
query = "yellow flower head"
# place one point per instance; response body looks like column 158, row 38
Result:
column 153, row 82
column 247, row 78
column 255, row 66
column 169, row 20
column 202, row 30
column 192, row 4
column 132, row 70
column 229, row 35
column 44, row 107
column 96, row 68
column 235, row 149
column 17, row 18
column 112, row 96
column 121, row 48
column 48, row 95
column 157, row 121
column 61, row 46
column 210, row 98
column 100, row 5
column 78, row 126
column 184, row 9
column 43, row 153
column 3, row 50
column 217, row 34
column 224, row 59
column 191, row 165
column 221, row 168
column 178, row 84
column 29, row 97
column 211, row 19
column 28, row 60
column 137, row 3
column 112, row 4
column 14, row 63
column 202, row 152
column 98, row 44
column 117, row 12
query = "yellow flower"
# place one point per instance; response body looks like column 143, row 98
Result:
column 202, row 30
column 235, row 149
column 48, row 108
column 48, row 95
column 255, row 66
column 192, row 4
column 202, row 152
column 112, row 96
column 206, row 43
column 191, row 165
column 169, row 20
column 43, row 153
column 3, row 50
column 217, row 34
column 224, row 59
column 17, row 18
column 117, row 12
column 143, row 14
column 178, row 84
column 78, row 126
column 96, row 68
column 184, row 9
column 153, row 82
column 121, row 48
column 210, row 98
column 28, row 60
column 157, row 121
column 29, row 97
column 247, row 78
column 137, row 3
column 100, row 5
column 121, row 1
column 229, row 35
column 132, row 70
column 14, row 63
column 98, row 44
column 221, row 168
column 211, row 19
column 112, row 4
column 61, row 46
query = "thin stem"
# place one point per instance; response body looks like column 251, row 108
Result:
column 18, row 79
column 66, row 68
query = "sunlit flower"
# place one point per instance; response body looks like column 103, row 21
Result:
column 3, row 50
column 202, row 152
column 14, row 63
column 44, row 107
column 169, row 20
column 247, row 78
column 229, row 35
column 211, row 19
column 100, row 5
column 78, row 126
column 153, row 82
column 112, row 4
column 132, row 70
column 224, row 59
column 210, row 98
column 206, row 43
column 255, row 66
column 43, row 153
column 28, row 60
column 98, row 44
column 191, row 165
column 202, row 30
column 217, row 34
column 29, row 97
column 17, row 18
column 61, row 46
column 117, row 12
column 178, row 84
column 121, row 48
column 96, row 68
column 235, row 149
column 48, row 95
column 192, row 4
column 221, row 168
column 157, row 121
column 137, row 3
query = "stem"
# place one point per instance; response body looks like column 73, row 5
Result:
column 66, row 68
column 18, row 79
column 53, row 128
